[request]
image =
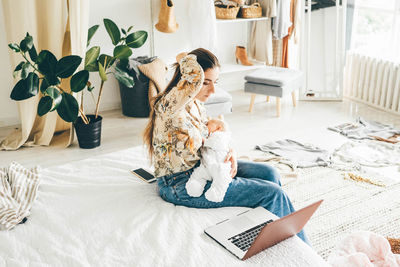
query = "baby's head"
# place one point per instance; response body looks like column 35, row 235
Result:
column 215, row 125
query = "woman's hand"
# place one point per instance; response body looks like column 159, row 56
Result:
column 180, row 56
column 232, row 158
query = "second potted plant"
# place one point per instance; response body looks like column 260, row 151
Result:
column 88, row 127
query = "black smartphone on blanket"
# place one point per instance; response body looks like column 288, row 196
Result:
column 145, row 175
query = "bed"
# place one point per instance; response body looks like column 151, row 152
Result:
column 94, row 212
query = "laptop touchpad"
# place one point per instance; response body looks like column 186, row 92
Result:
column 242, row 221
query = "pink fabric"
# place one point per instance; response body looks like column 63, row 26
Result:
column 364, row 249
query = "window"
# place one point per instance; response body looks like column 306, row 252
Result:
column 376, row 28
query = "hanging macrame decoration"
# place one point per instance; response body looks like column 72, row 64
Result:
column 166, row 18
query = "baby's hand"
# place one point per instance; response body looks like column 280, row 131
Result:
column 232, row 158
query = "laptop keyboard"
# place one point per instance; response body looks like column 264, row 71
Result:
column 246, row 238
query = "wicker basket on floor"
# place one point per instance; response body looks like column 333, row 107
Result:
column 252, row 11
column 394, row 244
column 225, row 11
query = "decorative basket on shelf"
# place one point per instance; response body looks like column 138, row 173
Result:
column 223, row 11
column 252, row 11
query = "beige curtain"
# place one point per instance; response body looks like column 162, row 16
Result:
column 59, row 26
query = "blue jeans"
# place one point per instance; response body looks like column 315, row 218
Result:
column 255, row 184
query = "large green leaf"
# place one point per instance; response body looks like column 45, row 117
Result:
column 26, row 44
column 112, row 30
column 122, row 51
column 102, row 72
column 91, row 55
column 92, row 30
column 123, row 77
column 55, row 94
column 136, row 39
column 14, row 47
column 106, row 60
column 18, row 68
column 52, row 79
column 25, row 88
column 79, row 80
column 44, row 85
column 32, row 83
column 25, row 70
column 66, row 66
column 33, row 54
column 68, row 108
column 44, row 105
column 92, row 67
column 47, row 63
column 20, row 92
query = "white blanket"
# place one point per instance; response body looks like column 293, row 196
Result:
column 95, row 213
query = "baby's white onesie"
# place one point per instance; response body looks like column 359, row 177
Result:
column 212, row 168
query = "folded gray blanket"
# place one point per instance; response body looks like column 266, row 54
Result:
column 365, row 129
column 303, row 155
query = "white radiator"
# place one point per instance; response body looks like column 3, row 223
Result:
column 372, row 81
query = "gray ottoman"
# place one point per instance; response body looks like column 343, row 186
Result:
column 219, row 103
column 273, row 81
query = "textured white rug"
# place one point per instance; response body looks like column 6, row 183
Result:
column 94, row 212
column 349, row 206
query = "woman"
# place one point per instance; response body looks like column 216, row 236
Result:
column 176, row 130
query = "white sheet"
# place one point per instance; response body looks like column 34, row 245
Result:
column 95, row 213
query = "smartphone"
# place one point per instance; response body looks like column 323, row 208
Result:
column 145, row 175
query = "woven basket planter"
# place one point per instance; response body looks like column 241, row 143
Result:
column 252, row 11
column 225, row 11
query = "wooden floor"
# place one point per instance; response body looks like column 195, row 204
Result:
column 307, row 122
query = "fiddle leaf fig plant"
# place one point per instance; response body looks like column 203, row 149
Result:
column 124, row 41
column 43, row 72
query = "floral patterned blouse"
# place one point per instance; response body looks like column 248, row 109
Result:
column 180, row 122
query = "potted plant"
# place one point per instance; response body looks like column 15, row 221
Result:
column 124, row 41
column 104, row 65
column 44, row 72
column 135, row 99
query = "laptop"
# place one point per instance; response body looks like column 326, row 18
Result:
column 254, row 230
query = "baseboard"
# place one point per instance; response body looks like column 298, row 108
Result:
column 15, row 121
column 9, row 121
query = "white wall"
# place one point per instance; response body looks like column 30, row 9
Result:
column 124, row 13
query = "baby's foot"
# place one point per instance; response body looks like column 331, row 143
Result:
column 214, row 195
column 194, row 188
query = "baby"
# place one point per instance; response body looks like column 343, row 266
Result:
column 212, row 165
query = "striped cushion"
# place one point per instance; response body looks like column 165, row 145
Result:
column 8, row 205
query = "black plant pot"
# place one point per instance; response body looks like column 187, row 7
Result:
column 135, row 100
column 89, row 135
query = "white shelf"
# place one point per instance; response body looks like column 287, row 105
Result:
column 240, row 20
column 233, row 67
